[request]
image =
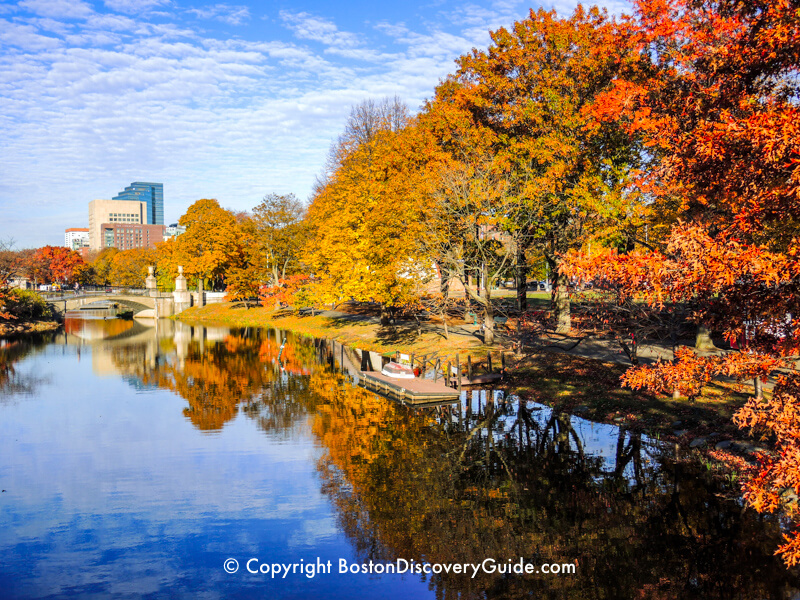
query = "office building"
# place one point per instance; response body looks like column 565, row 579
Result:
column 126, row 236
column 152, row 194
column 113, row 212
column 173, row 230
column 76, row 238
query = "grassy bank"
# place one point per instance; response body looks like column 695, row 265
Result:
column 591, row 389
column 353, row 330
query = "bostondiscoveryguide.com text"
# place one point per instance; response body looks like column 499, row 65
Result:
column 401, row 566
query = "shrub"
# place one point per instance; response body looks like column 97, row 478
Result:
column 23, row 305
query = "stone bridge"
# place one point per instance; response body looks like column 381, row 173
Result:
column 136, row 303
column 150, row 304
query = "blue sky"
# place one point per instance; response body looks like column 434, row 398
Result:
column 216, row 100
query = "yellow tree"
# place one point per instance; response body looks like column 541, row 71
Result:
column 210, row 246
column 279, row 233
column 244, row 276
column 129, row 267
column 365, row 218
column 102, row 264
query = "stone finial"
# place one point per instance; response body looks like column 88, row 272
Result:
column 150, row 271
column 180, row 271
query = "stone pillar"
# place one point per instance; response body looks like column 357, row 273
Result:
column 182, row 298
column 151, row 284
column 165, row 307
column 201, row 296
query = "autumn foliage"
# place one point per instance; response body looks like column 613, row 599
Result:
column 656, row 156
column 717, row 109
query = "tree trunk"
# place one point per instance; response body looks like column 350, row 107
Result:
column 561, row 304
column 488, row 310
column 703, row 342
column 521, row 280
column 444, row 281
column 384, row 315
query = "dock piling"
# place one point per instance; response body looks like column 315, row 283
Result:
column 458, row 376
column 449, row 376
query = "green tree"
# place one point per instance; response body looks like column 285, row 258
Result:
column 279, row 230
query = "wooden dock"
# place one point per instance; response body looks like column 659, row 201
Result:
column 408, row 391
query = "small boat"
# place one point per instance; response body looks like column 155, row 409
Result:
column 398, row 371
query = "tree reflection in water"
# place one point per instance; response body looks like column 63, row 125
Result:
column 513, row 479
column 489, row 478
column 13, row 350
column 239, row 370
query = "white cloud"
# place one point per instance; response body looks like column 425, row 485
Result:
column 26, row 37
column 51, row 25
column 132, row 7
column 93, row 105
column 232, row 15
column 67, row 9
column 317, row 29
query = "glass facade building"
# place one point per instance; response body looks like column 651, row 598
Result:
column 151, row 194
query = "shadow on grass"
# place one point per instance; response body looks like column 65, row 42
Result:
column 402, row 333
column 592, row 389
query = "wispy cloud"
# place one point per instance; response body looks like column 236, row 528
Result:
column 309, row 27
column 133, row 7
column 91, row 99
column 67, row 9
column 232, row 15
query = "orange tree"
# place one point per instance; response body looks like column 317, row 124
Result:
column 211, row 246
column 525, row 103
column 719, row 109
column 129, row 267
column 55, row 264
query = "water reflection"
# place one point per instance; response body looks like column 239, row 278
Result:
column 332, row 469
column 509, row 479
column 14, row 382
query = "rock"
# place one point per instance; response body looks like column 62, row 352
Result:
column 581, row 409
column 619, row 419
column 743, row 447
column 725, row 445
column 676, row 424
column 697, row 442
column 680, row 432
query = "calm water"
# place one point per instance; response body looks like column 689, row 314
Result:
column 135, row 461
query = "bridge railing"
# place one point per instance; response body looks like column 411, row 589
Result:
column 93, row 290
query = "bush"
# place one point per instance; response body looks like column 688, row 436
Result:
column 23, row 305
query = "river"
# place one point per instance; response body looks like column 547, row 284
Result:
column 188, row 461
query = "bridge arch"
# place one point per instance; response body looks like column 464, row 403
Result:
column 136, row 303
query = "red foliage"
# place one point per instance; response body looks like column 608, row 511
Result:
column 288, row 291
column 716, row 101
column 55, row 263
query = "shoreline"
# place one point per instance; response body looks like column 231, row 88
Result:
column 10, row 329
column 584, row 385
